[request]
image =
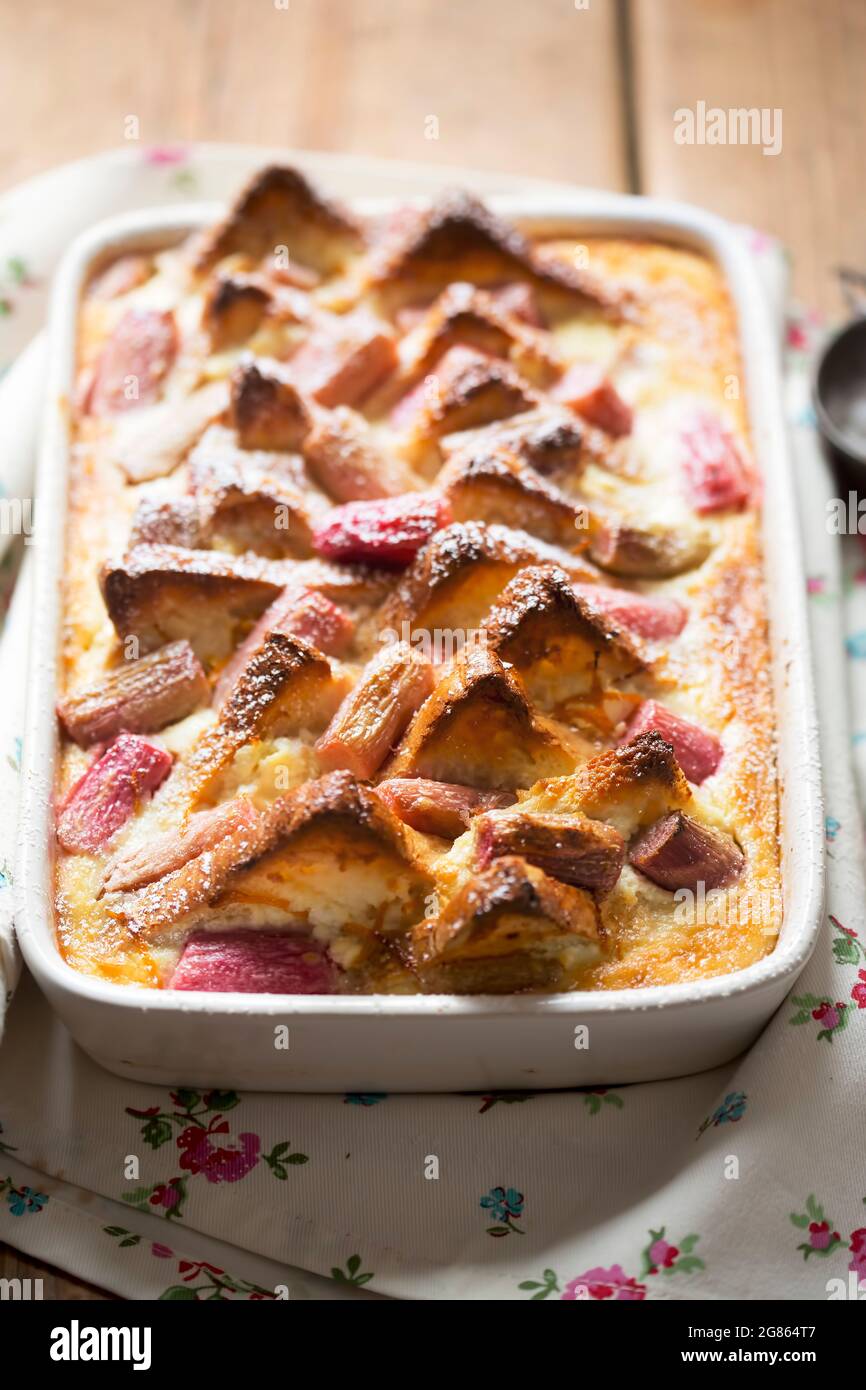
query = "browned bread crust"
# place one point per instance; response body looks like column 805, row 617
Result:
column 497, row 488
column 280, row 208
column 162, row 593
column 480, row 693
column 267, row 411
column 455, row 578
column 561, row 646
column 458, row 238
column 510, row 929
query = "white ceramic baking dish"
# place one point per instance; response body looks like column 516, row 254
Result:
column 429, row 1043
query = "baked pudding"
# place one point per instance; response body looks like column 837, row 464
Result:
column 414, row 632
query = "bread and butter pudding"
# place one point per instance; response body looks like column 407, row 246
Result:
column 414, row 633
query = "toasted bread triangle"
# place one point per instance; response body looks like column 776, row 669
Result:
column 285, row 688
column 495, row 486
column 629, row 787
column 279, row 207
column 478, row 727
column 563, row 648
column 511, row 927
column 342, row 860
column 458, row 238
column 163, row 593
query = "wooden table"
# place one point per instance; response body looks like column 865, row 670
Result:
column 583, row 90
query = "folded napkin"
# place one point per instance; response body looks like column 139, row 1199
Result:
column 13, row 653
column 747, row 1180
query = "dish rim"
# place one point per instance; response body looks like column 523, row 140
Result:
column 590, row 214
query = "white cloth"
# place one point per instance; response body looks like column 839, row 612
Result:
column 745, row 1181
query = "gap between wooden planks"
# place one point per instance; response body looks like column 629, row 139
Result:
column 805, row 58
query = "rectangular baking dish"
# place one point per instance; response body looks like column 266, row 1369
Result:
column 435, row 1043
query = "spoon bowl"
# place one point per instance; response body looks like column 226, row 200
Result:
column 840, row 391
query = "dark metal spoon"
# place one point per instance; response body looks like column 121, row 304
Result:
column 839, row 387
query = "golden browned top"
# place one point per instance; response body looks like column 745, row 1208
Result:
column 417, row 498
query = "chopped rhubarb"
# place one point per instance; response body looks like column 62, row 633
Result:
column 151, row 443
column 698, row 752
column 586, row 390
column 375, row 714
column 386, row 532
column 344, row 358
column 206, row 832
column 303, row 613
column 243, row 960
column 123, row 275
column 138, row 697
column 519, row 299
column 716, row 474
column 632, row 552
column 678, row 852
column 321, row 622
column 135, row 360
column 438, row 808
column 652, row 618
column 109, row 792
column 344, row 459
column 409, row 407
column 587, row 853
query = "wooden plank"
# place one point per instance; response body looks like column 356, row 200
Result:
column 524, row 88
column 803, row 58
column 54, row 1284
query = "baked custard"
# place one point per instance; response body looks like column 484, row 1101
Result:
column 414, row 631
